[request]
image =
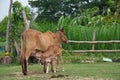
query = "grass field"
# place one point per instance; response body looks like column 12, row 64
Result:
column 81, row 71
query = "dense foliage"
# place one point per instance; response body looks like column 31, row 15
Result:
column 52, row 10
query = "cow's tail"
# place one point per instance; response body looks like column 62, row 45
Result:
column 22, row 57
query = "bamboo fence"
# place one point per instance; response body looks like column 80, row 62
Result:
column 93, row 42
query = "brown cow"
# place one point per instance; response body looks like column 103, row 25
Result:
column 33, row 39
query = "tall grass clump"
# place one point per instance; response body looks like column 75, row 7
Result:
column 106, row 34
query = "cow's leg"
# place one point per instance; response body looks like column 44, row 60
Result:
column 57, row 63
column 57, row 60
column 27, row 55
column 53, row 67
column 44, row 67
column 24, row 66
column 23, row 63
column 25, row 60
column 61, row 60
column 47, row 66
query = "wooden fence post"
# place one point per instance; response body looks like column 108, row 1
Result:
column 93, row 44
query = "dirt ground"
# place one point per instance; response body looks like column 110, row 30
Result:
column 41, row 76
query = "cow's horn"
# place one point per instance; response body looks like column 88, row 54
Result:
column 62, row 27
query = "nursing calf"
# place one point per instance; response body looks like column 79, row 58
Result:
column 50, row 57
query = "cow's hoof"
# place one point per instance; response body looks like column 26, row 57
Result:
column 54, row 71
column 25, row 73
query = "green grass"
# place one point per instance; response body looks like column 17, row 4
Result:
column 96, row 71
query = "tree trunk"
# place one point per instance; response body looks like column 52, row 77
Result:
column 8, row 27
column 26, row 22
column 17, row 48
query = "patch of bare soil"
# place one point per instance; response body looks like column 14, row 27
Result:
column 42, row 76
column 59, row 76
column 29, row 73
column 78, row 78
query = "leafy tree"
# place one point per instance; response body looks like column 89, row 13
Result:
column 52, row 10
column 103, row 5
column 17, row 26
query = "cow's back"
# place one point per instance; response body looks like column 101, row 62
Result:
column 34, row 39
column 45, row 40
